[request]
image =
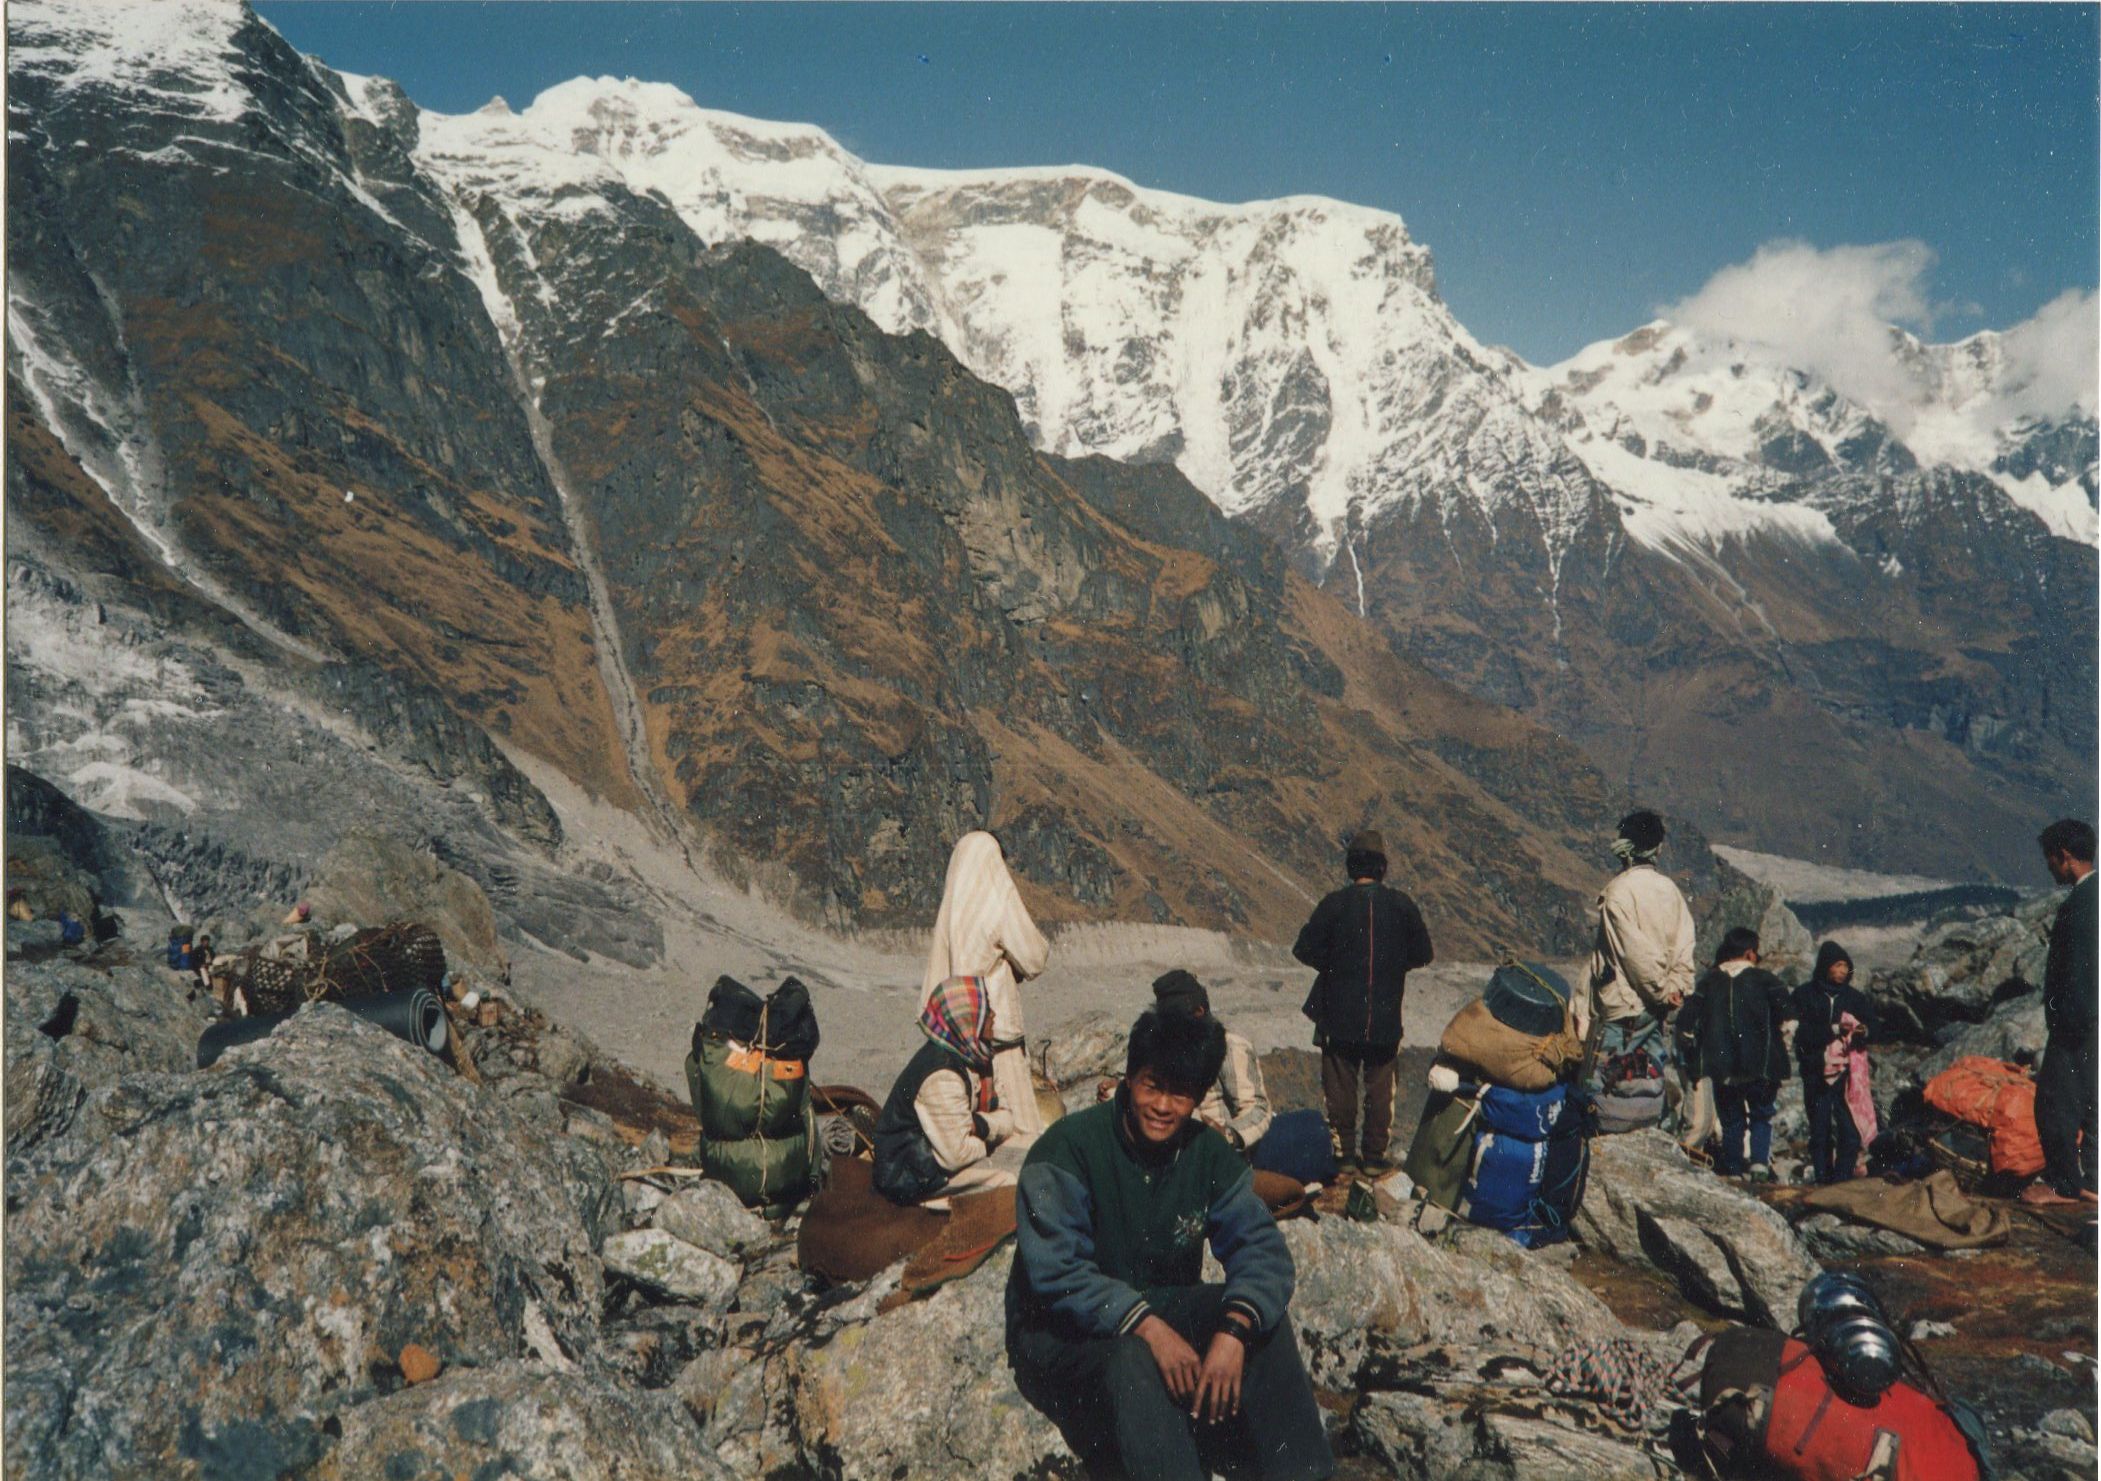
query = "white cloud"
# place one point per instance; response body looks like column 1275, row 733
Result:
column 1827, row 311
column 2051, row 358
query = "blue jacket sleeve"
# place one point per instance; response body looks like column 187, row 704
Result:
column 1259, row 1272
column 1054, row 1215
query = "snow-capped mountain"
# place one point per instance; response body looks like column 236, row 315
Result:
column 1551, row 538
column 1291, row 357
column 373, row 469
column 1704, row 436
column 1710, row 568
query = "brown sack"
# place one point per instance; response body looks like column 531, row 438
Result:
column 1503, row 1056
column 850, row 1231
column 1934, row 1210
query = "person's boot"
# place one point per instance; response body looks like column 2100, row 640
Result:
column 1376, row 1165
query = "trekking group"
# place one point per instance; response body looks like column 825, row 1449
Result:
column 1110, row 1327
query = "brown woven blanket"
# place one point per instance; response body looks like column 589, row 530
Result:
column 850, row 1231
column 978, row 1224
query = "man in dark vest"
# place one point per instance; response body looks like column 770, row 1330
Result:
column 1363, row 940
column 2064, row 1087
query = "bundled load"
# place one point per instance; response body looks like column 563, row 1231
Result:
column 1999, row 1098
column 1630, row 1092
column 400, row 957
column 1517, row 1034
column 1503, row 1140
column 1834, row 1402
column 748, row 1074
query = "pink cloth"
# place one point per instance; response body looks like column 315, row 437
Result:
column 1860, row 1099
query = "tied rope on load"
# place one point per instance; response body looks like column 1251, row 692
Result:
column 1637, row 1389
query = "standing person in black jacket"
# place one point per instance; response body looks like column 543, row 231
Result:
column 2065, row 1086
column 1739, row 1008
column 1363, row 940
column 1821, row 1005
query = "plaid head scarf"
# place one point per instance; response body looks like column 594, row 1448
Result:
column 959, row 1014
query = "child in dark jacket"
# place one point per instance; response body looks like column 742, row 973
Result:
column 1737, row 1012
column 1830, row 1011
column 1110, row 1327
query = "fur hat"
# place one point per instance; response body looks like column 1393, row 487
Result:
column 1370, row 841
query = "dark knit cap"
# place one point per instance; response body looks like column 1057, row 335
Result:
column 1643, row 829
column 1178, row 991
column 1368, row 842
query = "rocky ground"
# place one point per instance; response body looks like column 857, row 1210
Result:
column 334, row 1255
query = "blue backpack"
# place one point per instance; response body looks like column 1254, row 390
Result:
column 1530, row 1160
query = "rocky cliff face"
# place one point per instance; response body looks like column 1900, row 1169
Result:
column 367, row 463
column 1701, row 562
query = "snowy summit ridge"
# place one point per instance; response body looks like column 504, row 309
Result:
column 1292, row 356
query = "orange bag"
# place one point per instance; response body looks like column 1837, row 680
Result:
column 1999, row 1097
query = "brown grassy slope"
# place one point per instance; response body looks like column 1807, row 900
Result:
column 866, row 616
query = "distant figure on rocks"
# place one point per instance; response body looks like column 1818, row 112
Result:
column 2065, row 1120
column 298, row 915
column 938, row 1130
column 1110, row 1327
column 1834, row 1021
column 1363, row 940
column 1237, row 1107
column 1641, row 965
column 1737, row 1013
column 983, row 930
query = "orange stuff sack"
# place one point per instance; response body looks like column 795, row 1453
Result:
column 1999, row 1097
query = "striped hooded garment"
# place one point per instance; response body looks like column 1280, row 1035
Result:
column 983, row 930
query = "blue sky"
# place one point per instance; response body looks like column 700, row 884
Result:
column 1572, row 168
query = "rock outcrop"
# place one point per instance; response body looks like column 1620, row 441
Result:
column 1727, row 1251
column 1964, row 966
column 201, row 1265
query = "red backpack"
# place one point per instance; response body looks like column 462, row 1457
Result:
column 1767, row 1409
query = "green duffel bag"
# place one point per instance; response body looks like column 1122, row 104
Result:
column 756, row 1122
column 767, row 1174
column 1443, row 1146
column 739, row 1092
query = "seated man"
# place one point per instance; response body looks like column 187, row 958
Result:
column 1238, row 1106
column 1106, row 1312
column 932, row 1139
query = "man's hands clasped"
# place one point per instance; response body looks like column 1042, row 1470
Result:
column 1210, row 1386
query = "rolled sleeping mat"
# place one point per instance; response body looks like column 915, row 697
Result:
column 417, row 1017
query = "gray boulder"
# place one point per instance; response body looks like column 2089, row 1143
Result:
column 1373, row 1297
column 211, row 1265
column 72, row 1027
column 707, row 1215
column 1832, row 1239
column 1963, row 967
column 1728, row 1251
column 518, row 1419
column 670, row 1267
column 2012, row 1028
column 1464, row 1435
column 924, row 1390
column 1077, row 1057
column 373, row 878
